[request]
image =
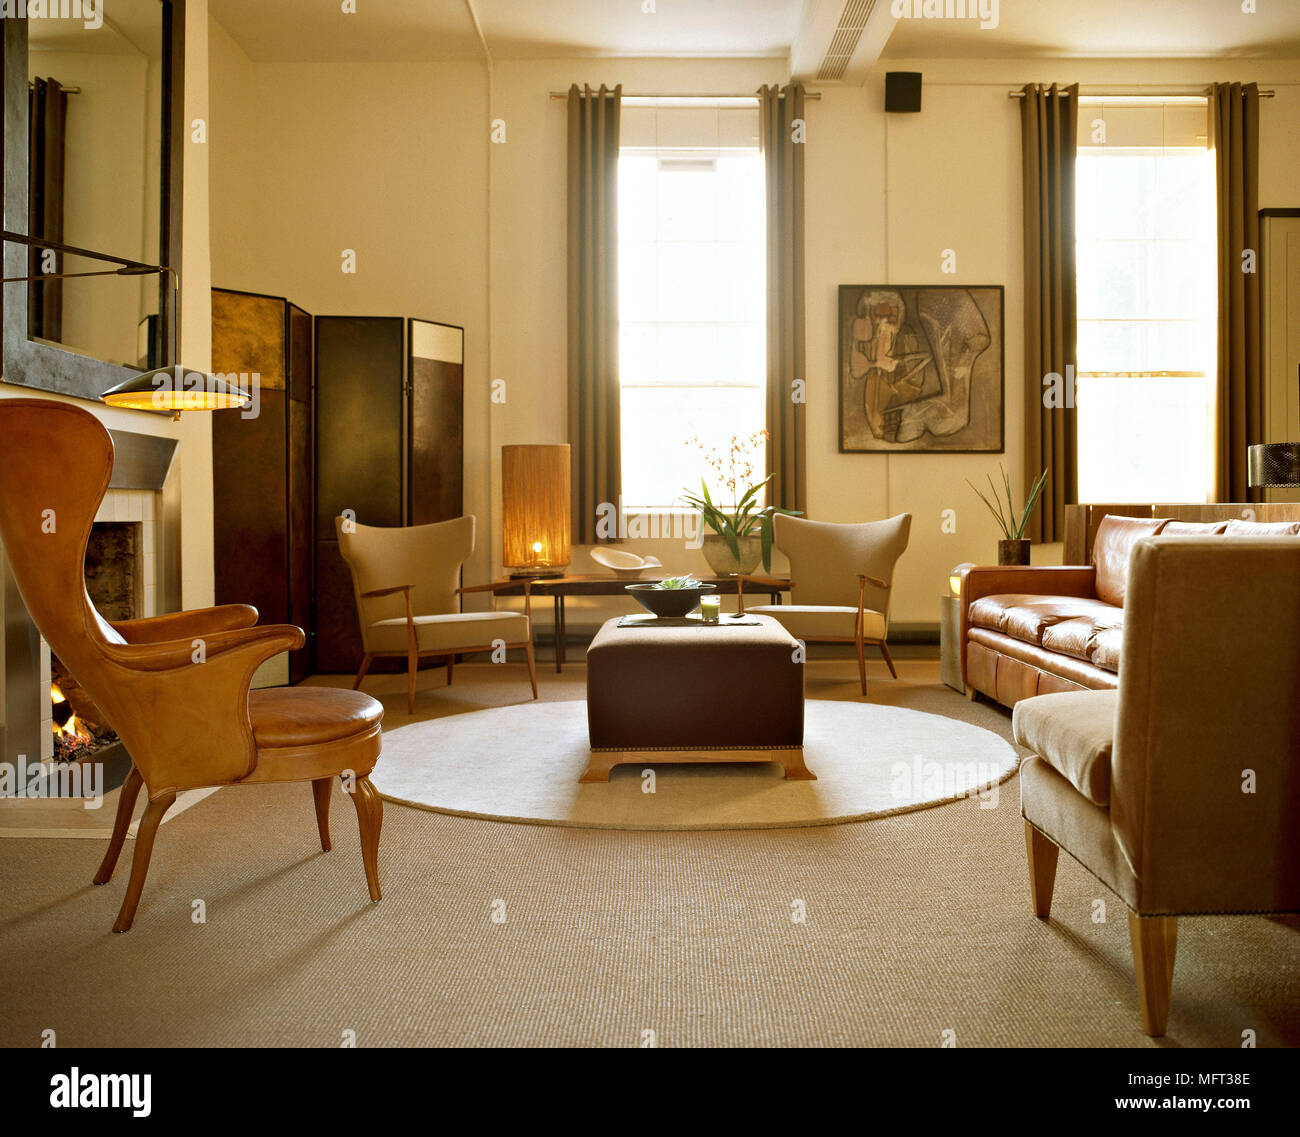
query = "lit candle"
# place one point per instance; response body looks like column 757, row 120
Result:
column 709, row 608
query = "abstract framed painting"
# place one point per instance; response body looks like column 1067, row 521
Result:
column 922, row 368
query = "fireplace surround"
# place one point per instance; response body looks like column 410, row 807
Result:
column 144, row 497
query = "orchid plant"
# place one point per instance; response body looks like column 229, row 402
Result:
column 733, row 469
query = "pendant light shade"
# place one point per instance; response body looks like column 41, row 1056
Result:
column 535, row 515
column 175, row 389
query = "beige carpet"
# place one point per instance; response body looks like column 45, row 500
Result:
column 915, row 924
column 522, row 763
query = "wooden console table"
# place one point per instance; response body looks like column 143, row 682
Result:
column 603, row 584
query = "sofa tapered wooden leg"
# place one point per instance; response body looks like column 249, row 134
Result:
column 149, row 823
column 1155, row 942
column 320, row 792
column 1041, row 853
column 370, row 820
column 125, row 807
column 532, row 666
column 361, row 674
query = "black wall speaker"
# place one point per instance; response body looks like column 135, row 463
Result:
column 903, row 91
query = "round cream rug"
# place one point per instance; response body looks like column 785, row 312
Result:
column 522, row 763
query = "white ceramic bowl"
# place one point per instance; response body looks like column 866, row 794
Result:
column 626, row 566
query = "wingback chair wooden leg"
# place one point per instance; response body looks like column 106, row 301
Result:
column 451, row 664
column 1155, row 941
column 320, row 792
column 532, row 666
column 366, row 660
column 149, row 823
column 125, row 807
column 1041, row 852
column 862, row 661
column 889, row 659
column 370, row 820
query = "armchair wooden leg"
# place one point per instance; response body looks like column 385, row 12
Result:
column 889, row 659
column 862, row 663
column 1041, row 853
column 366, row 660
column 149, row 823
column 532, row 666
column 370, row 819
column 320, row 791
column 125, row 807
column 451, row 664
column 1155, row 942
column 412, row 666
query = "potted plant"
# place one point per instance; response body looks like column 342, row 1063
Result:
column 1014, row 548
column 742, row 536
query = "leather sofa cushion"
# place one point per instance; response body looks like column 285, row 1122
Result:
column 1048, row 662
column 309, row 716
column 1027, row 617
column 1105, row 648
column 1238, row 528
column 1074, row 733
column 1112, row 547
column 1193, row 528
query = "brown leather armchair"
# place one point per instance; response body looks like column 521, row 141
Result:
column 174, row 687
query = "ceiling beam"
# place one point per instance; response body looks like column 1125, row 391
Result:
column 820, row 20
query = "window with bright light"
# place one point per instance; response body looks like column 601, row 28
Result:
column 1147, row 300
column 692, row 358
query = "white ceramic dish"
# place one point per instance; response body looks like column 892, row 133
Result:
column 626, row 566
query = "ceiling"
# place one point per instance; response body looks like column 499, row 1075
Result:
column 441, row 30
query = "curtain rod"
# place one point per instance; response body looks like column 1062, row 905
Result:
column 1204, row 92
column 661, row 95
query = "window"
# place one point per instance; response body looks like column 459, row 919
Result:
column 1147, row 300
column 692, row 356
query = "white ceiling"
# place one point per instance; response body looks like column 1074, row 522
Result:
column 1145, row 29
column 438, row 30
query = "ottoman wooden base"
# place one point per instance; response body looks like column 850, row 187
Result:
column 603, row 761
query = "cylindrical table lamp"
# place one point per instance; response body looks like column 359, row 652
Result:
column 535, row 514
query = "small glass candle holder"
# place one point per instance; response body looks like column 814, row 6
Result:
column 710, row 606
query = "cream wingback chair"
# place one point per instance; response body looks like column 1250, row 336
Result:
column 1181, row 789
column 841, row 578
column 406, row 582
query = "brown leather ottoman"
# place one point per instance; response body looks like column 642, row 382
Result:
column 703, row 693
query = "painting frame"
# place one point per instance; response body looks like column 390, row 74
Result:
column 940, row 390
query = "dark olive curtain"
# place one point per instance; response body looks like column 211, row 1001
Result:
column 47, row 106
column 1049, row 120
column 1240, row 422
column 594, row 417
column 782, row 132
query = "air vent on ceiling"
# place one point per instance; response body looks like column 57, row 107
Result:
column 845, row 40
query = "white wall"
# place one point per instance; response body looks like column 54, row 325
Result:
column 395, row 161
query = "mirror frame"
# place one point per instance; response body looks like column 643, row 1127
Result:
column 36, row 363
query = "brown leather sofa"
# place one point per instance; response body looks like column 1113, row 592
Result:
column 1039, row 630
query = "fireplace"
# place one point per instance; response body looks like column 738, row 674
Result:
column 117, row 574
column 132, row 571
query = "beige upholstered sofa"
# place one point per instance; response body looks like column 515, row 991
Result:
column 1038, row 630
column 1180, row 790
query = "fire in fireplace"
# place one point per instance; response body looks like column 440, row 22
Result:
column 113, row 558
